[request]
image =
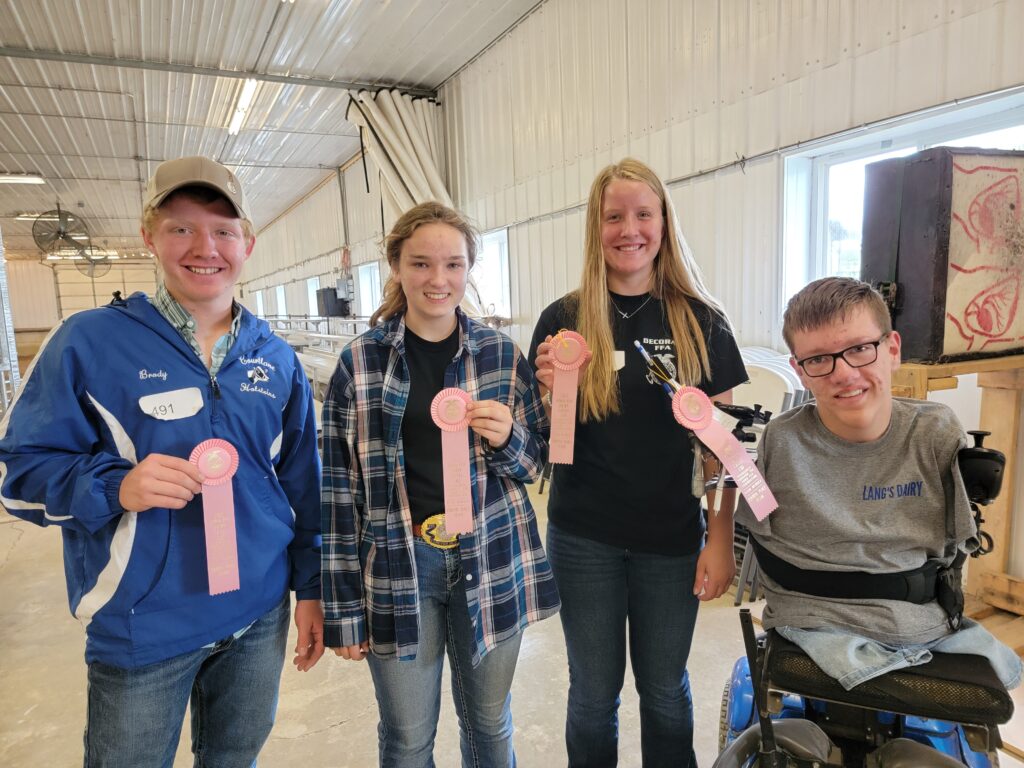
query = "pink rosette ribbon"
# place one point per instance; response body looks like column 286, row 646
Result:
column 693, row 409
column 450, row 412
column 218, row 461
column 569, row 353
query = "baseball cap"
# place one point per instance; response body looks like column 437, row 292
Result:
column 195, row 171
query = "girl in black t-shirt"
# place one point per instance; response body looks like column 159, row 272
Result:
column 626, row 537
column 400, row 589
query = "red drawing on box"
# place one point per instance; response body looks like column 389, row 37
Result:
column 992, row 209
column 991, row 219
column 992, row 310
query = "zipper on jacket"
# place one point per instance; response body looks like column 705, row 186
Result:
column 216, row 388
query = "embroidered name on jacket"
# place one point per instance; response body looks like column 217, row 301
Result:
column 247, row 387
column 257, row 361
column 145, row 374
column 881, row 492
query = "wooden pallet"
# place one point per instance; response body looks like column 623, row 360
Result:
column 1006, row 626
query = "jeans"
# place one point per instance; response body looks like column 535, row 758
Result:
column 135, row 715
column 853, row 660
column 604, row 590
column 409, row 692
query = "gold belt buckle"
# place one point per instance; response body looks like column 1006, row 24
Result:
column 433, row 532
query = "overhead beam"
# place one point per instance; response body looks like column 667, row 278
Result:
column 191, row 69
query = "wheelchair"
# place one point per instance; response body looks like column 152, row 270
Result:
column 788, row 713
column 780, row 710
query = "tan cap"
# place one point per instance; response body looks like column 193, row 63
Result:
column 195, row 171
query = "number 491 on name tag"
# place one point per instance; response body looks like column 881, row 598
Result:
column 176, row 404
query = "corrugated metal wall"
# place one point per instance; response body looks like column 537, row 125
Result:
column 307, row 240
column 33, row 295
column 77, row 291
column 41, row 296
column 691, row 86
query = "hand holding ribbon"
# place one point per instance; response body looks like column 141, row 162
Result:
column 492, row 421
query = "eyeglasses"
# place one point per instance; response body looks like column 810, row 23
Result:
column 856, row 356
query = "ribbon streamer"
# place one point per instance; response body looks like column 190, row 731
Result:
column 218, row 461
column 569, row 353
column 693, row 409
column 450, row 413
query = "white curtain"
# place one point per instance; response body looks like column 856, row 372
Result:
column 402, row 136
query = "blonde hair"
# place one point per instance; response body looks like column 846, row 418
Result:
column 197, row 193
column 394, row 301
column 829, row 299
column 676, row 280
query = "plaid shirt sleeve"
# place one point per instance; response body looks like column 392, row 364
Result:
column 524, row 456
column 342, row 500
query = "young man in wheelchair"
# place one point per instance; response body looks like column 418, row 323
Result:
column 859, row 562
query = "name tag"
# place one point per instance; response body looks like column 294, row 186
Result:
column 618, row 360
column 176, row 404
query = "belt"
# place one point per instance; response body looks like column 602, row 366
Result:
column 915, row 586
column 433, row 532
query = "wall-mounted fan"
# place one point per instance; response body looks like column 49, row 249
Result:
column 93, row 263
column 60, row 230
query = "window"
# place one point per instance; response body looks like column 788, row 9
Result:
column 369, row 291
column 490, row 274
column 282, row 306
column 312, row 286
column 824, row 186
column 258, row 298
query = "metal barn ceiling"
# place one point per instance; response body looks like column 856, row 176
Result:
column 95, row 93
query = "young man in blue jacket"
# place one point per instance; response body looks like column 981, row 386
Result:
column 98, row 442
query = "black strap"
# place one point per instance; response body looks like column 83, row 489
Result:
column 916, row 586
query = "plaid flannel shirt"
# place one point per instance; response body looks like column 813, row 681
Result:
column 179, row 317
column 369, row 569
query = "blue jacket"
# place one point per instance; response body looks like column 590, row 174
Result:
column 137, row 581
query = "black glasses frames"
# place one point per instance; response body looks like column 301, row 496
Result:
column 855, row 356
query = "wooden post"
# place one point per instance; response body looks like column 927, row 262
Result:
column 1001, row 399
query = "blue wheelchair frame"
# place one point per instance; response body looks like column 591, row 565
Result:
column 738, row 714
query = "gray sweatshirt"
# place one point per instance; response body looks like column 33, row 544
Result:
column 877, row 507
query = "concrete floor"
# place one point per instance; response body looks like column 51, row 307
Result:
column 328, row 716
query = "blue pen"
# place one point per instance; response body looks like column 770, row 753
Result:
column 670, row 386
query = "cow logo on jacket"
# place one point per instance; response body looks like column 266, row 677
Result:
column 257, row 375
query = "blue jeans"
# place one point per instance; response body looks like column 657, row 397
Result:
column 604, row 590
column 409, row 692
column 135, row 715
column 852, row 659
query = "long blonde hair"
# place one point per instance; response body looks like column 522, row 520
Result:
column 676, row 279
column 394, row 301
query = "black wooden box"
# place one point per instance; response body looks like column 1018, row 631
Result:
column 945, row 227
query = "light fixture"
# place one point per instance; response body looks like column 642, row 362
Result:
column 242, row 105
column 21, row 178
column 33, row 217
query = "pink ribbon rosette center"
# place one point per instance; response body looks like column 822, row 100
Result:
column 450, row 413
column 218, row 461
column 569, row 353
column 693, row 409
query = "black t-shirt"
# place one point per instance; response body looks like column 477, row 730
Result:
column 421, row 437
column 629, row 483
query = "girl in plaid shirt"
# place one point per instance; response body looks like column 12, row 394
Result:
column 397, row 588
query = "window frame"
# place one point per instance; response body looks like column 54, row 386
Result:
column 806, row 171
